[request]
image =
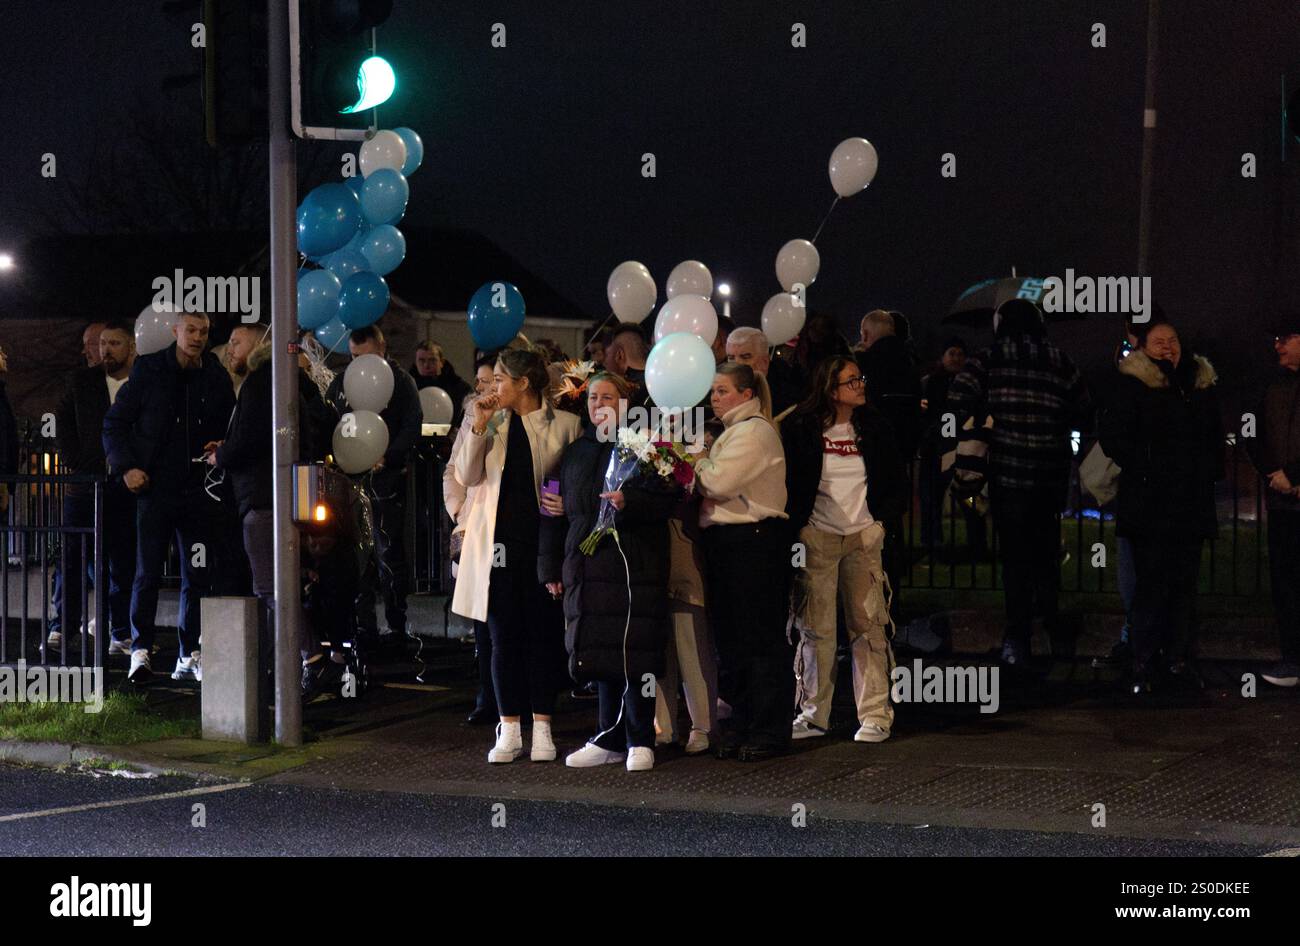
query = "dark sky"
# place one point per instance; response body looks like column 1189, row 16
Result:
column 539, row 145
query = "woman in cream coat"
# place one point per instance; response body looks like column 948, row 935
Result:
column 512, row 440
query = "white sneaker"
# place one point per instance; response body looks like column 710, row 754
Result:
column 592, row 755
column 189, row 668
column 802, row 729
column 697, row 742
column 117, row 647
column 543, row 749
column 140, row 669
column 640, row 759
column 510, row 743
column 55, row 640
column 870, row 732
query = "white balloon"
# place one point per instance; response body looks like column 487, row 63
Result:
column 679, row 372
column 853, row 166
column 436, row 406
column 688, row 313
column 368, row 383
column 360, row 439
column 385, row 150
column 783, row 318
column 631, row 291
column 690, row 278
column 153, row 329
column 797, row 263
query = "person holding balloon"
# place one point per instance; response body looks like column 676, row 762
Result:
column 513, row 440
column 374, row 383
column 747, row 555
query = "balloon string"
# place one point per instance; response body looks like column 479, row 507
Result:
column 599, row 329
column 825, row 218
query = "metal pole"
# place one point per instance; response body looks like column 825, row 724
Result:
column 283, row 172
column 1148, row 138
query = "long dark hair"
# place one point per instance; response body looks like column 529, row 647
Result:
column 820, row 339
column 825, row 380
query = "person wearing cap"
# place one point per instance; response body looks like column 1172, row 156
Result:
column 1035, row 395
column 1275, row 451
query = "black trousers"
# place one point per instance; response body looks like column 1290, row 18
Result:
column 637, row 725
column 389, row 507
column 119, row 550
column 487, row 695
column 527, row 630
column 748, row 591
column 1284, row 569
column 1164, row 601
column 1029, row 537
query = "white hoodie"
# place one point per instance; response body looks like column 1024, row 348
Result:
column 743, row 478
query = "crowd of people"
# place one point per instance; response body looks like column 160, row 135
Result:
column 730, row 587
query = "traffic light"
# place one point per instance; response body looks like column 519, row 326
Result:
column 336, row 76
column 234, row 71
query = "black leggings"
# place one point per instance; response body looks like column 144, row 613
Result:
column 527, row 632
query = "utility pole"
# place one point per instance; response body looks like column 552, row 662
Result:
column 1148, row 138
column 283, row 170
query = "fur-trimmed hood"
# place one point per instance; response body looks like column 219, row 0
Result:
column 1141, row 366
column 260, row 356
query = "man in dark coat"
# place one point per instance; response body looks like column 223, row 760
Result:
column 1035, row 394
column 176, row 402
column 79, row 433
column 387, row 488
column 1164, row 431
column 599, row 634
column 433, row 370
column 1275, row 450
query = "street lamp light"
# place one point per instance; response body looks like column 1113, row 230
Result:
column 724, row 290
column 6, row 262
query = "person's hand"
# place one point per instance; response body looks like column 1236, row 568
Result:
column 615, row 499
column 484, row 408
column 210, row 451
column 1278, row 480
column 925, row 404
column 379, row 465
column 136, row 480
column 556, row 588
column 553, row 504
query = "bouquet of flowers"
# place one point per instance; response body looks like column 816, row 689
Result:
column 637, row 452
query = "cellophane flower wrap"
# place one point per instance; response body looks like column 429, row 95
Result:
column 637, row 452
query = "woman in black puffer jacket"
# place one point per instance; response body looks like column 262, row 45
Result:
column 621, row 649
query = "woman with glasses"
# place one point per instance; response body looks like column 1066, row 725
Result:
column 844, row 477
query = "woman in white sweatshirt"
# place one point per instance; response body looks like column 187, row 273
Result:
column 748, row 559
column 513, row 438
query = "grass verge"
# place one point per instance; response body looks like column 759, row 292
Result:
column 125, row 718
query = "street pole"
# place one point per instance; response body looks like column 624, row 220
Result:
column 283, row 170
column 1148, row 138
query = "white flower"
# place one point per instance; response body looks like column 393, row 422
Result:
column 664, row 467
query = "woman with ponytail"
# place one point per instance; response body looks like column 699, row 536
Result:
column 747, row 554
column 512, row 440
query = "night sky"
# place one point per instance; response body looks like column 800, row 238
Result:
column 539, row 145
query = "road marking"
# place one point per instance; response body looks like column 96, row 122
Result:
column 1285, row 852
column 72, row 809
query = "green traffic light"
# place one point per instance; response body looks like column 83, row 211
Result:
column 375, row 84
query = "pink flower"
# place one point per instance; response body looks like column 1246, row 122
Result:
column 684, row 473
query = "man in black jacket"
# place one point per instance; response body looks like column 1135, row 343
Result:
column 78, row 431
column 386, row 485
column 1275, row 450
column 175, row 403
column 433, row 370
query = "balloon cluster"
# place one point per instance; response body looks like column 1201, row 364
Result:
column 347, row 229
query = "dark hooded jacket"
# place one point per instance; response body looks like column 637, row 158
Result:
column 1276, row 444
column 596, row 586
column 801, row 434
column 1164, row 430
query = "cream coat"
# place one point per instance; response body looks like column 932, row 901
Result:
column 479, row 463
column 743, row 478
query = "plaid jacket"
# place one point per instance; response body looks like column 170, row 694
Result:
column 1034, row 393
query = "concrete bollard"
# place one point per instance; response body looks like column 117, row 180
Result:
column 231, row 708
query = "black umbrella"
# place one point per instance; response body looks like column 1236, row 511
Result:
column 975, row 307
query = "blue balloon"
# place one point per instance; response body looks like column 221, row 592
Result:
column 327, row 218
column 343, row 263
column 355, row 182
column 363, row 300
column 318, row 298
column 384, row 249
column 333, row 335
column 414, row 150
column 496, row 313
column 384, row 196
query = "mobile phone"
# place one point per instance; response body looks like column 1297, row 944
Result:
column 552, row 488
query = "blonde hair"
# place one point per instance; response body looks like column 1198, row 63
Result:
column 745, row 378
